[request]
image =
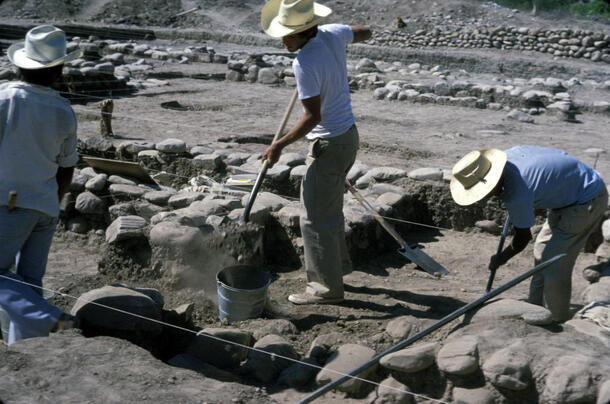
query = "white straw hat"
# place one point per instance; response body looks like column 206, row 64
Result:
column 285, row 17
column 476, row 175
column 44, row 46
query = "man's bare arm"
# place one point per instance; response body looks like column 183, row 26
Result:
column 361, row 33
column 310, row 118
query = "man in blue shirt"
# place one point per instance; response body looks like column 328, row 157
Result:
column 528, row 178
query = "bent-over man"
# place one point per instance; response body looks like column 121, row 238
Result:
column 528, row 178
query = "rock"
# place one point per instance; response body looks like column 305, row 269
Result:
column 171, row 146
column 123, row 299
column 298, row 375
column 381, row 93
column 124, row 228
column 347, row 358
column 423, row 174
column 357, row 171
column 571, row 380
column 78, row 225
column 411, row 360
column 442, row 88
column 509, row 368
column 391, row 391
column 221, row 354
column 197, row 150
column 78, row 183
column 184, row 312
column 97, row 183
column 509, row 308
column 596, row 292
column 289, row 216
column 89, row 203
column 366, row 65
column 234, row 75
column 146, row 209
column 207, row 162
column 298, row 172
column 520, row 116
column 267, row 200
column 117, row 179
column 159, row 198
column 459, row 356
column 390, row 199
column 266, row 75
column 186, row 361
column 472, row 396
column 175, row 237
column 324, row 343
column 277, row 327
column 183, row 199
column 279, row 172
column 126, row 192
column 291, row 159
column 488, row 226
column 258, row 214
column 386, row 174
column 132, row 147
column 588, row 327
column 400, row 328
column 265, row 367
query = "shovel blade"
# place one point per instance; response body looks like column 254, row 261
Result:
column 422, row 260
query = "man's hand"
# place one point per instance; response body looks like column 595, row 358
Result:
column 272, row 154
column 495, row 262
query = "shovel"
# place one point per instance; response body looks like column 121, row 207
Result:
column 420, row 258
column 263, row 172
column 492, row 274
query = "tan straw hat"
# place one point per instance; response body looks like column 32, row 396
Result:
column 285, row 17
column 44, row 46
column 476, row 175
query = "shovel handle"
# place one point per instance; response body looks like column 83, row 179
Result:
column 376, row 215
column 492, row 273
column 263, row 171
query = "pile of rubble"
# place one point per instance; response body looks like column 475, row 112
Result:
column 558, row 42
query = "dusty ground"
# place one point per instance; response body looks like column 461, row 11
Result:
column 397, row 134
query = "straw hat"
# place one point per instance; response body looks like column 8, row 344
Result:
column 476, row 175
column 44, row 46
column 285, row 17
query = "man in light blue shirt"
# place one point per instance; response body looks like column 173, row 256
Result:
column 37, row 158
column 528, row 178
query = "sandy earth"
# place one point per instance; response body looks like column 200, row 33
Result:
column 398, row 134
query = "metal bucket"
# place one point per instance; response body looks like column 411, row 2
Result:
column 242, row 292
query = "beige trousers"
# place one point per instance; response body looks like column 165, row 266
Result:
column 322, row 224
column 565, row 231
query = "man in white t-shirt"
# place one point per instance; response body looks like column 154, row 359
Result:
column 328, row 123
column 37, row 158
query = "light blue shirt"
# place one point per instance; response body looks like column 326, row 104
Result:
column 320, row 69
column 545, row 178
column 37, row 135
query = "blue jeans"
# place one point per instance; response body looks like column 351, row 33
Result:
column 25, row 240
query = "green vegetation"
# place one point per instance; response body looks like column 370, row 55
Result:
column 587, row 9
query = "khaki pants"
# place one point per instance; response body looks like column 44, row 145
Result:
column 565, row 231
column 322, row 224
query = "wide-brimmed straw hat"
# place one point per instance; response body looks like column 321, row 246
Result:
column 44, row 46
column 285, row 17
column 476, row 175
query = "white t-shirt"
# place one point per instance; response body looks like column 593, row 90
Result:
column 320, row 69
column 37, row 135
